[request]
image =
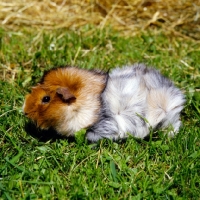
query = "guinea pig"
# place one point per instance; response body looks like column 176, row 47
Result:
column 128, row 100
column 135, row 100
column 67, row 99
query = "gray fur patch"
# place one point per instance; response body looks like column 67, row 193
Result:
column 135, row 98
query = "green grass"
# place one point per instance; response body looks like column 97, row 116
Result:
column 156, row 168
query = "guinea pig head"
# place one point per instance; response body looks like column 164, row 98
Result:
column 45, row 106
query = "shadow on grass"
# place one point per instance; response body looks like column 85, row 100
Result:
column 45, row 135
column 51, row 134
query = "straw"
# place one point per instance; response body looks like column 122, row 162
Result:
column 129, row 17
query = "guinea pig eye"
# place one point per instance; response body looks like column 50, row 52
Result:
column 46, row 99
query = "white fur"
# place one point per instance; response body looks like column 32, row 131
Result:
column 135, row 99
column 79, row 117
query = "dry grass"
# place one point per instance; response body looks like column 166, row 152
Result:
column 180, row 17
column 129, row 17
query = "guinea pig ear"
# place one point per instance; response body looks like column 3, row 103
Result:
column 65, row 93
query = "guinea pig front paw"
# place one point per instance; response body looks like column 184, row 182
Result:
column 92, row 137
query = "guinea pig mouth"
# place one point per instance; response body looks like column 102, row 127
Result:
column 32, row 118
column 26, row 114
column 41, row 125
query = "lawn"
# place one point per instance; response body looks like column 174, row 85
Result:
column 35, row 165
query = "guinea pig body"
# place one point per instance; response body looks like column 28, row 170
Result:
column 128, row 100
column 67, row 99
column 135, row 99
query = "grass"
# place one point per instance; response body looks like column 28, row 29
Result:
column 44, row 168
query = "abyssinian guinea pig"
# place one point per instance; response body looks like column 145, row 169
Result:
column 128, row 100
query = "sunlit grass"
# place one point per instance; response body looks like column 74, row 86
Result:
column 156, row 168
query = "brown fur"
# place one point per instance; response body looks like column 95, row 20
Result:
column 74, row 99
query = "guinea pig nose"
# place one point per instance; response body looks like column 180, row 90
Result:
column 25, row 113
